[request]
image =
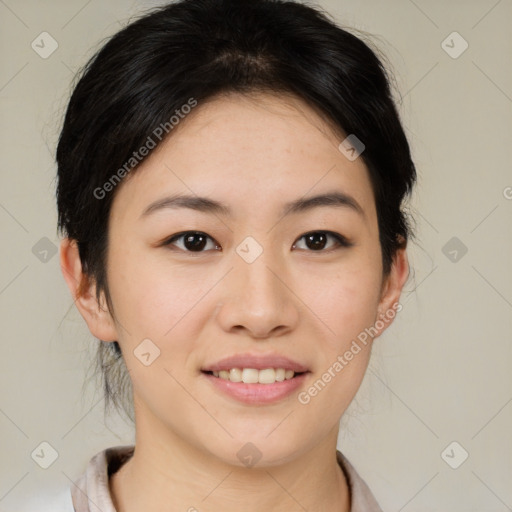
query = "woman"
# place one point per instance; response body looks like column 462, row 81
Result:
column 231, row 176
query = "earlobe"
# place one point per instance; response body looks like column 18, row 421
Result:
column 83, row 291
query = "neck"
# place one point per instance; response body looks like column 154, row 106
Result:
column 175, row 476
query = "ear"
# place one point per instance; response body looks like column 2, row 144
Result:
column 83, row 291
column 391, row 290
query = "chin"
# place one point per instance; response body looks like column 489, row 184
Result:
column 256, row 451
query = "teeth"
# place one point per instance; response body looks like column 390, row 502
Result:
column 250, row 376
column 253, row 376
column 235, row 375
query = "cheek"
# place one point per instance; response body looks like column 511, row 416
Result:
column 347, row 310
column 346, row 303
column 151, row 295
column 345, row 300
column 154, row 301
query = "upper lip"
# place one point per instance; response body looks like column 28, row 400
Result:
column 258, row 362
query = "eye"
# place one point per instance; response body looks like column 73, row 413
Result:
column 193, row 241
column 317, row 240
column 197, row 241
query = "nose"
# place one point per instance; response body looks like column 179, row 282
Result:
column 257, row 300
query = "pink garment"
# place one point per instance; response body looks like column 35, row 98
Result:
column 91, row 492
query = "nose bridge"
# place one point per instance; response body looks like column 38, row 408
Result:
column 256, row 297
column 256, row 272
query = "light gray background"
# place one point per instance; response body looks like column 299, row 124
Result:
column 441, row 373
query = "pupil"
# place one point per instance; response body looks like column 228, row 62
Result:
column 317, row 240
column 198, row 246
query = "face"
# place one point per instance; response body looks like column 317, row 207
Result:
column 281, row 287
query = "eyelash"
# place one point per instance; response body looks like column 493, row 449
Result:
column 340, row 240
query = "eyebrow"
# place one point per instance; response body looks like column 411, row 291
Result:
column 207, row 205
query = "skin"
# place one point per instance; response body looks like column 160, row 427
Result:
column 254, row 154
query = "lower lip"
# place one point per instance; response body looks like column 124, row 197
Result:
column 257, row 393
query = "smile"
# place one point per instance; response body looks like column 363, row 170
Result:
column 255, row 376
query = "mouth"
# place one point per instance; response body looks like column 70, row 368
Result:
column 254, row 387
column 256, row 378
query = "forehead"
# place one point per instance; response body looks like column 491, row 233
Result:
column 243, row 149
column 236, row 128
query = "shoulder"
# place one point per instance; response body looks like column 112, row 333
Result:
column 362, row 499
column 93, row 484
